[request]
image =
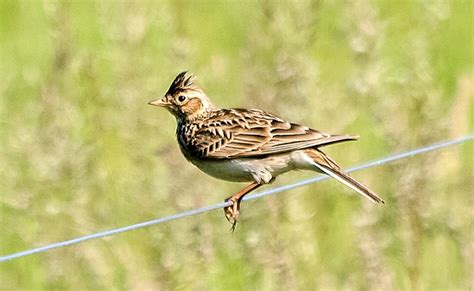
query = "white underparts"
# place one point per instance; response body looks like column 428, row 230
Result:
column 260, row 170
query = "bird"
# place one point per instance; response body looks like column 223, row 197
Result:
column 248, row 145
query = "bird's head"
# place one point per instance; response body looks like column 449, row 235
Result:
column 184, row 99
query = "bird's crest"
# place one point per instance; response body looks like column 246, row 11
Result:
column 182, row 82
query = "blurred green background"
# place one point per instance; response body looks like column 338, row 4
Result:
column 81, row 151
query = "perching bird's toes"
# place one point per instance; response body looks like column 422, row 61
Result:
column 232, row 211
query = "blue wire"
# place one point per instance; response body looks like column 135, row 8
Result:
column 224, row 204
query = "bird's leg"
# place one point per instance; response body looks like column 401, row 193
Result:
column 232, row 211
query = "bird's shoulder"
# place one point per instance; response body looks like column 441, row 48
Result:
column 239, row 117
column 219, row 122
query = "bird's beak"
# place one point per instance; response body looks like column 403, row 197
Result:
column 159, row 102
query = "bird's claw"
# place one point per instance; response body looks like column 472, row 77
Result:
column 232, row 212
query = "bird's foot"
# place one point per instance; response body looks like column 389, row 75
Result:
column 232, row 211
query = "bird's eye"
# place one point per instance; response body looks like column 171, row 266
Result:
column 181, row 98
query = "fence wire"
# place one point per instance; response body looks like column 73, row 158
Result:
column 196, row 211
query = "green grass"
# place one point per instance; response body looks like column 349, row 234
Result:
column 82, row 152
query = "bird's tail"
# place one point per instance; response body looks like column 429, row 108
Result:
column 328, row 166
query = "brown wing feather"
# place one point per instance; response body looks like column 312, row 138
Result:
column 241, row 133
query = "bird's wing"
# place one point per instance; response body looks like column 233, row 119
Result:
column 240, row 133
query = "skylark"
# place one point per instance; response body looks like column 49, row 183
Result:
column 247, row 145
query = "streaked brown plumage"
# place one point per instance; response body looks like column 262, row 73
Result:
column 247, row 145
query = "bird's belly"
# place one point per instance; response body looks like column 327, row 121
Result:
column 229, row 170
column 261, row 170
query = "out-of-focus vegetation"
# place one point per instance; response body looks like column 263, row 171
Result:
column 81, row 151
